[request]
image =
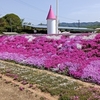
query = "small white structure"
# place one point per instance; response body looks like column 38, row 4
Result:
column 51, row 22
column 10, row 33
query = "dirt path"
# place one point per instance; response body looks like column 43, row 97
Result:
column 10, row 91
column 33, row 92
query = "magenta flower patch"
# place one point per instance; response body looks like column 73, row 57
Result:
column 79, row 54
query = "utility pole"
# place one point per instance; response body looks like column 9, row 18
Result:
column 56, row 16
column 78, row 23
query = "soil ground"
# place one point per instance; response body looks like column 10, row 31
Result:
column 12, row 92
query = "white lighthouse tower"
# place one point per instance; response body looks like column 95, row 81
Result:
column 51, row 22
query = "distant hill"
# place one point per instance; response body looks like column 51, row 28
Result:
column 82, row 24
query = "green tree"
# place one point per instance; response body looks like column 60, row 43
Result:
column 14, row 23
column 3, row 24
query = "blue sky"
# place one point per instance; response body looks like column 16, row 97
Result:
column 35, row 11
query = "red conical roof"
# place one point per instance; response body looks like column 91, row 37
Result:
column 51, row 14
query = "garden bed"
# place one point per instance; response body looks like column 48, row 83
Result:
column 76, row 55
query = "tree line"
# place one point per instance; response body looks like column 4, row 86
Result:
column 13, row 23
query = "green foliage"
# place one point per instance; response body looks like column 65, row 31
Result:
column 12, row 19
column 13, row 22
column 1, row 29
column 64, row 97
column 3, row 24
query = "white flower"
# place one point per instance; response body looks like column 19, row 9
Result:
column 54, row 37
column 72, row 36
column 79, row 46
column 92, row 36
column 60, row 46
column 30, row 38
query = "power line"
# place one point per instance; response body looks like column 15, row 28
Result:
column 38, row 9
column 34, row 20
column 29, row 5
column 41, row 10
column 2, row 9
column 68, row 18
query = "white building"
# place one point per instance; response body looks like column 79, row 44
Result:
column 51, row 22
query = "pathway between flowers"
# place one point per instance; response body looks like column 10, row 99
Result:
column 33, row 92
column 10, row 91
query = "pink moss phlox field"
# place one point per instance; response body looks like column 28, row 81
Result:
column 78, row 54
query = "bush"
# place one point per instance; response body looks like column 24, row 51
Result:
column 64, row 97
